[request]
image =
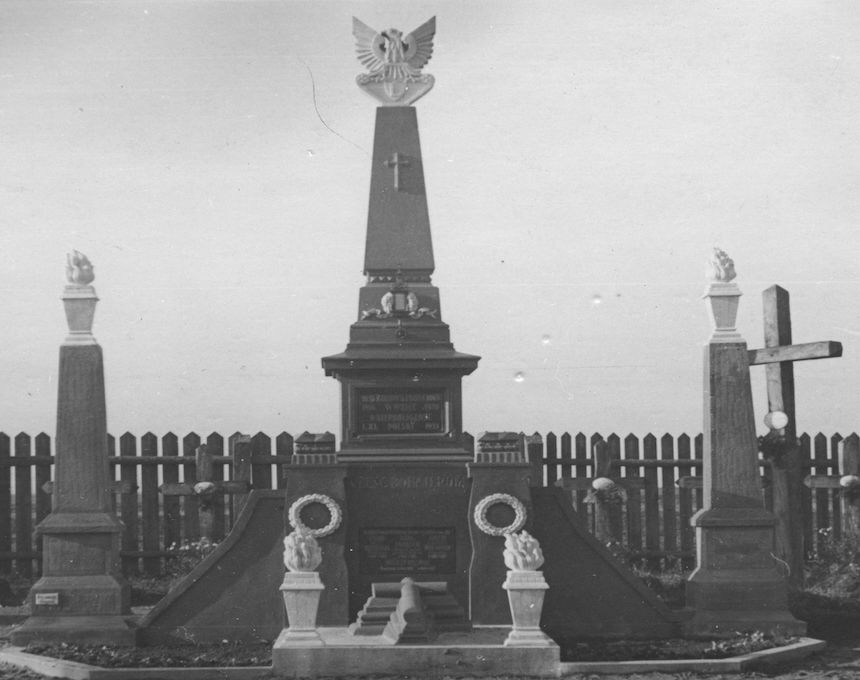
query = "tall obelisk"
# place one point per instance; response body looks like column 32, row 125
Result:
column 400, row 374
column 81, row 597
column 736, row 585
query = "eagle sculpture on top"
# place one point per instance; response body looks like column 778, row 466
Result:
column 394, row 62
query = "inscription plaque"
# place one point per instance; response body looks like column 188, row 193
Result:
column 745, row 549
column 399, row 411
column 47, row 599
column 409, row 550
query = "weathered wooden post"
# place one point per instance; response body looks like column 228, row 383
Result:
column 206, row 491
column 81, row 597
column 779, row 356
column 606, row 491
column 240, row 448
column 608, row 497
column 736, row 585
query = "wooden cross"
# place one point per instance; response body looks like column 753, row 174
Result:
column 207, row 490
column 396, row 161
column 779, row 356
column 605, row 492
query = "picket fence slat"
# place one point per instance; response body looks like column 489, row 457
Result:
column 809, row 545
column 836, row 522
column 656, row 522
column 129, row 502
column 151, row 520
column 668, row 510
column 23, row 504
column 261, row 473
column 634, row 496
column 652, row 501
column 583, row 463
column 170, row 504
column 551, row 459
column 215, row 446
column 685, row 500
column 189, row 475
column 5, row 505
column 283, row 449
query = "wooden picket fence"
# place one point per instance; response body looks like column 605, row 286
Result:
column 657, row 508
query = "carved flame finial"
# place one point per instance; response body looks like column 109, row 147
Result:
column 301, row 552
column 79, row 270
column 720, row 267
column 522, row 552
column 394, row 62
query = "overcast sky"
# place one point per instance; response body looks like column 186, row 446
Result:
column 212, row 159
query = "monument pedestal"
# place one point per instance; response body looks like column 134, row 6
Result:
column 481, row 652
column 736, row 586
column 81, row 596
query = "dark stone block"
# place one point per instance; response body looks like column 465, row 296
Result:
column 487, row 572
column 591, row 594
column 233, row 593
column 327, row 479
column 407, row 521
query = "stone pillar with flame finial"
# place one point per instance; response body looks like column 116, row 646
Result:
column 81, row 597
column 736, row 585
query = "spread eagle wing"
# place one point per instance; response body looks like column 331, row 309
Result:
column 370, row 45
column 419, row 44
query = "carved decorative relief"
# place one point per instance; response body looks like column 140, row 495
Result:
column 331, row 505
column 483, row 506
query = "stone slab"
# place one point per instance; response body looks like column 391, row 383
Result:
column 407, row 521
column 591, row 594
column 233, row 593
column 479, row 653
column 487, row 572
column 737, row 664
column 56, row 668
column 78, row 630
column 78, row 671
column 325, row 479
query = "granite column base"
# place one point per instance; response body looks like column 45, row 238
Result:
column 736, row 586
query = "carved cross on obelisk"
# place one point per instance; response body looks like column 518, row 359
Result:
column 779, row 356
column 397, row 161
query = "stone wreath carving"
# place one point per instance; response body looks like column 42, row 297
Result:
column 294, row 514
column 481, row 508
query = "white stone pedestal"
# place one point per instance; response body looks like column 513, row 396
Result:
column 301, row 591
column 526, row 591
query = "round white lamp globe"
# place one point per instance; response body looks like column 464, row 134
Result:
column 776, row 420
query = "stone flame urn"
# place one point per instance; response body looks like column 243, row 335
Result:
column 301, row 589
column 723, row 297
column 526, row 589
column 79, row 299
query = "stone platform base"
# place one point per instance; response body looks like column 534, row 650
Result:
column 729, row 623
column 77, row 630
column 480, row 652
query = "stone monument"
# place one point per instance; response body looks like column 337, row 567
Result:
column 736, row 585
column 400, row 375
column 81, row 597
column 403, row 529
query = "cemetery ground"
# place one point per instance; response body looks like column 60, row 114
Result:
column 829, row 602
